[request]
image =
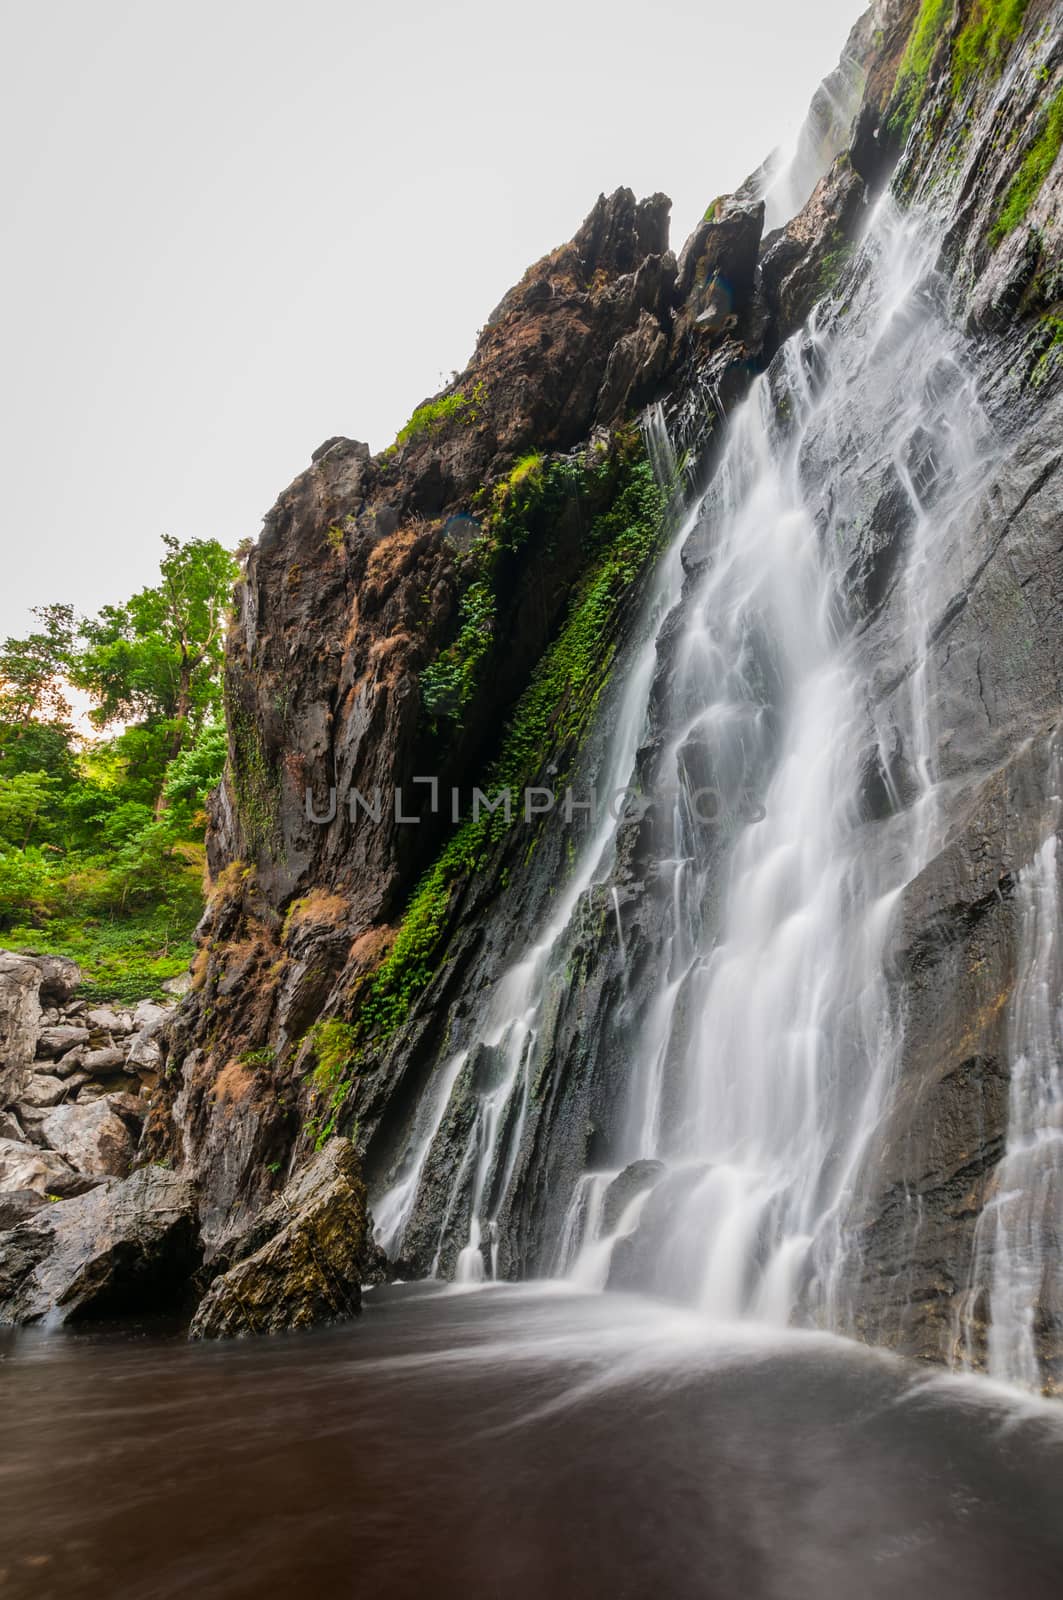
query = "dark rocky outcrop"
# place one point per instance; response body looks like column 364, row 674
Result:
column 123, row 1249
column 354, row 588
column 303, row 1259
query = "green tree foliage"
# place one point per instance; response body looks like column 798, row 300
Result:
column 157, row 658
column 101, row 840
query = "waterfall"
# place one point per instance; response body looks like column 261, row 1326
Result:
column 785, row 726
column 1020, row 1231
column 765, row 1066
column 762, row 1068
column 824, row 134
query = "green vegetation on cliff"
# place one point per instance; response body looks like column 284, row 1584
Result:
column 986, row 37
column 980, row 47
column 551, row 716
column 434, row 415
column 914, row 72
column 101, row 838
column 1036, row 165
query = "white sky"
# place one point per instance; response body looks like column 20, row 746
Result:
column 232, row 229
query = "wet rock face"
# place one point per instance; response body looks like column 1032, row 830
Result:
column 302, row 1261
column 123, row 1249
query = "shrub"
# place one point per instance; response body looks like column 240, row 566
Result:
column 432, row 416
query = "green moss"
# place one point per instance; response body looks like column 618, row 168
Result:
column 986, row 37
column 449, row 682
column 531, row 490
column 979, row 50
column 834, row 262
column 552, row 715
column 1050, row 343
column 1036, row 165
column 913, row 74
column 335, row 537
column 528, row 470
column 335, row 1047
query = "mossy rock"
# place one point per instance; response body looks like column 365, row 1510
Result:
column 301, row 1262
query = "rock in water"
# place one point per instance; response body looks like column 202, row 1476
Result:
column 122, row 1249
column 301, row 1261
column 634, row 1180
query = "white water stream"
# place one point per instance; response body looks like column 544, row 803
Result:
column 763, row 1066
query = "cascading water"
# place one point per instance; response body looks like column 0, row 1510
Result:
column 762, row 1068
column 765, row 1066
column 795, row 782
column 1020, row 1231
column 823, row 135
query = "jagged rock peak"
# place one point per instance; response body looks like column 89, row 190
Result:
column 621, row 232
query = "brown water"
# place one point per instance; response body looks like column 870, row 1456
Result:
column 517, row 1443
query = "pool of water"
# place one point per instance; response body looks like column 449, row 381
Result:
column 517, row 1442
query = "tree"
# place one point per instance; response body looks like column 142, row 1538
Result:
column 101, row 840
column 35, row 732
column 156, row 660
column 196, row 771
column 32, row 669
column 24, row 800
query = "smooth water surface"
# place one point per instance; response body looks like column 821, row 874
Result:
column 518, row 1442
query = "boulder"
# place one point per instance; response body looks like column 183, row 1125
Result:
column 42, row 1090
column 24, row 1166
column 301, row 1261
column 20, row 1012
column 10, row 1127
column 59, row 978
column 91, row 1137
column 60, row 1039
column 130, row 1108
column 125, row 1249
column 71, row 1063
column 102, row 1063
column 147, row 1015
column 144, row 1053
column 101, row 1019
column 104, row 1088
column 634, row 1180
column 17, row 1205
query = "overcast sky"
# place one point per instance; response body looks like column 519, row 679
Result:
column 231, row 229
